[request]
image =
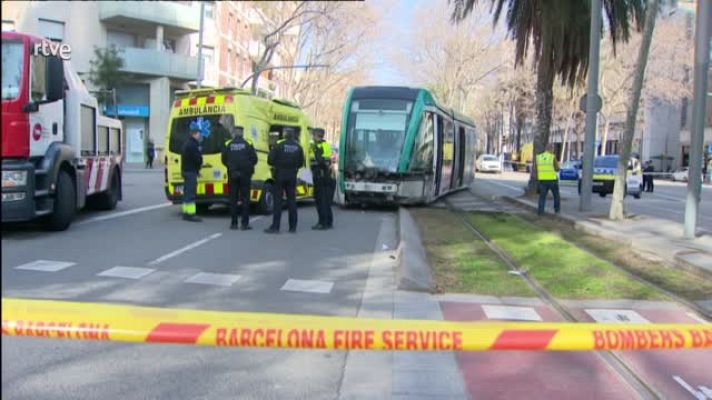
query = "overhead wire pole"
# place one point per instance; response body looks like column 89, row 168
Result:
column 592, row 106
column 199, row 79
column 702, row 59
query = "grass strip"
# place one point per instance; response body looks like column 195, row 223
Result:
column 682, row 283
column 565, row 270
column 461, row 263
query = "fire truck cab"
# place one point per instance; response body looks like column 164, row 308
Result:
column 58, row 152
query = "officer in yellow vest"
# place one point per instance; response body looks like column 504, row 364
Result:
column 547, row 168
column 324, row 185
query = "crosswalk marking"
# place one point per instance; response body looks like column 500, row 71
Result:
column 511, row 313
column 126, row 272
column 208, row 278
column 46, row 265
column 616, row 316
column 308, row 286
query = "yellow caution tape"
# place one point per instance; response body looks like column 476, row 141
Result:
column 109, row 322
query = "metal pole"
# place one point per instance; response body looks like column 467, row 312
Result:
column 702, row 58
column 116, row 106
column 591, row 107
column 199, row 80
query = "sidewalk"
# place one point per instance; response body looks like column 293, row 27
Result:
column 652, row 238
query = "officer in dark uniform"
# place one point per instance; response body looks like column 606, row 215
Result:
column 324, row 184
column 286, row 157
column 191, row 162
column 239, row 157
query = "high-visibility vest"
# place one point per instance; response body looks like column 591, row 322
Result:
column 545, row 167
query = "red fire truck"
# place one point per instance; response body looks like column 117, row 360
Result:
column 59, row 153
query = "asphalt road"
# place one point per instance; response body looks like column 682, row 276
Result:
column 667, row 201
column 247, row 270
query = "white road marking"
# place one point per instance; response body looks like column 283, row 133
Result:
column 611, row 316
column 696, row 317
column 126, row 272
column 511, row 313
column 207, row 278
column 184, row 249
column 695, row 393
column 123, row 213
column 299, row 285
column 46, row 265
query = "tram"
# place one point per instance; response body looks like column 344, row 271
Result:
column 398, row 145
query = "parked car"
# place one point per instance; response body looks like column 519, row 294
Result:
column 569, row 170
column 681, row 175
column 488, row 163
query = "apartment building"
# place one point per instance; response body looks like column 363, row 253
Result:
column 155, row 43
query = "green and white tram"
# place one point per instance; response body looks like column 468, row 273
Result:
column 399, row 146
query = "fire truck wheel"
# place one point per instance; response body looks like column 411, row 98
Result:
column 65, row 200
column 108, row 199
column 266, row 203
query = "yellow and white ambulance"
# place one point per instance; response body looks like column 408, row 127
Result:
column 214, row 110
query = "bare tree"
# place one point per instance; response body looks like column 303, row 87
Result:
column 278, row 21
column 619, row 186
column 455, row 61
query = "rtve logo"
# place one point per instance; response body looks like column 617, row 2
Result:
column 48, row 49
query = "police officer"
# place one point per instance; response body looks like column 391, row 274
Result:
column 191, row 161
column 546, row 173
column 287, row 156
column 324, row 184
column 239, row 157
column 648, row 183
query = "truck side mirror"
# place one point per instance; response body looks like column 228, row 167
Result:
column 55, row 79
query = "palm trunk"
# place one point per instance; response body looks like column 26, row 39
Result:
column 544, row 101
column 617, row 211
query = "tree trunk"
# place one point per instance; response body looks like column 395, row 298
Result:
column 604, row 138
column 544, row 102
column 617, row 211
column 564, row 140
column 520, row 123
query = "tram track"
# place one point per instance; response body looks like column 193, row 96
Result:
column 613, row 360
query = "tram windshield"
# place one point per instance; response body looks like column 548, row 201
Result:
column 376, row 134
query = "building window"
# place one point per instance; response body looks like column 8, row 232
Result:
column 229, row 60
column 209, row 8
column 52, row 30
column 8, row 25
column 120, row 39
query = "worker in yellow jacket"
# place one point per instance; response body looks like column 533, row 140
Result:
column 547, row 173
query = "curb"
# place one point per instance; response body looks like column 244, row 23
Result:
column 413, row 271
column 592, row 228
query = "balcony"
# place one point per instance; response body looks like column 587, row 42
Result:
column 159, row 63
column 178, row 18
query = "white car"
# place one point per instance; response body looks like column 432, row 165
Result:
column 488, row 163
column 681, row 175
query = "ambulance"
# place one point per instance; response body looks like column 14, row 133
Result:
column 214, row 111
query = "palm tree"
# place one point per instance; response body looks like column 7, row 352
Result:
column 558, row 33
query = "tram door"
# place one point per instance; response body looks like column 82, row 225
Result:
column 438, row 153
column 448, row 155
column 461, row 146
